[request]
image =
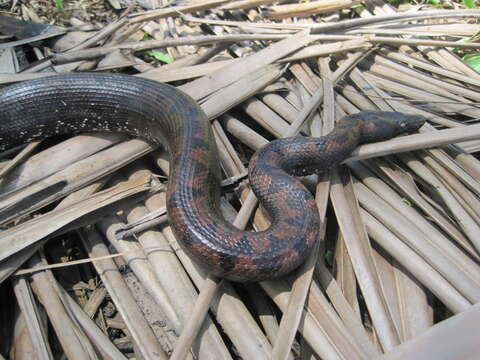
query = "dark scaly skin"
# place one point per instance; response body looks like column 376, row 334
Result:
column 162, row 114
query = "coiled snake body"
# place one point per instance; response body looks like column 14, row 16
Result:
column 162, row 114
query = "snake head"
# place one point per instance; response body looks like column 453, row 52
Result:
column 384, row 125
column 407, row 123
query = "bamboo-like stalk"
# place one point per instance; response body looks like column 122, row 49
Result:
column 94, row 53
column 407, row 186
column 380, row 188
column 345, row 311
column 318, row 340
column 38, row 334
column 433, row 30
column 161, row 13
column 40, row 166
column 100, row 35
column 445, row 104
column 415, row 142
column 461, row 170
column 266, row 117
column 412, row 61
column 306, row 9
column 131, row 313
column 460, row 191
column 347, row 24
column 243, row 133
column 17, row 238
column 360, row 253
column 139, row 264
column 74, row 342
column 422, row 271
column 280, row 105
column 184, row 72
column 419, row 241
column 466, row 222
column 205, row 86
column 96, row 336
column 230, row 96
column 21, row 156
column 8, row 266
column 314, row 51
column 209, row 288
column 72, row 178
column 424, row 79
column 406, row 16
column 449, row 61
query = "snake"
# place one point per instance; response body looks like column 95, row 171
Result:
column 164, row 115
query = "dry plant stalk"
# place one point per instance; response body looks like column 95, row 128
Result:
column 306, row 9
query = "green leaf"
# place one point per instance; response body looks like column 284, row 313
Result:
column 59, row 4
column 329, row 257
column 471, row 38
column 407, row 202
column 469, row 4
column 473, row 60
column 146, row 36
column 158, row 55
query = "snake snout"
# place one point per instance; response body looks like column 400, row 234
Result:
column 408, row 123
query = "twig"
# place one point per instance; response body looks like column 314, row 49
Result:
column 89, row 54
column 208, row 290
column 415, row 142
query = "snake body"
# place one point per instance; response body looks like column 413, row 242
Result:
column 161, row 114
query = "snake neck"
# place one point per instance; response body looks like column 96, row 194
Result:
column 301, row 156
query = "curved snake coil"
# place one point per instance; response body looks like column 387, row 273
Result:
column 161, row 114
